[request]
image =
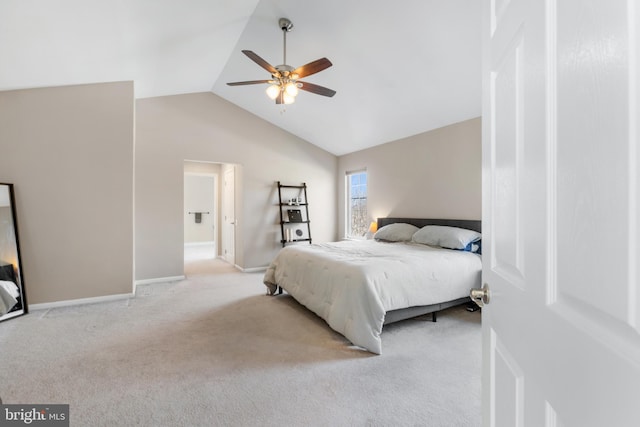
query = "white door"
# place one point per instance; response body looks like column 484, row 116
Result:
column 561, row 335
column 228, row 216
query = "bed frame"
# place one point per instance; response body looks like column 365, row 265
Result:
column 407, row 313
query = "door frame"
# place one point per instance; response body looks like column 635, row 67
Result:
column 228, row 225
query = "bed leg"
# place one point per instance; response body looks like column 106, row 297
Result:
column 434, row 316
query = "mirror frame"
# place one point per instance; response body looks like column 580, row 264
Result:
column 17, row 263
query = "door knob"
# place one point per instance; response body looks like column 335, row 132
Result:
column 480, row 296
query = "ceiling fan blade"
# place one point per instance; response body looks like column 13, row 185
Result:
column 318, row 90
column 261, row 62
column 312, row 67
column 250, row 82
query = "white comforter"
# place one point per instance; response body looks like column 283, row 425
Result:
column 352, row 284
column 8, row 296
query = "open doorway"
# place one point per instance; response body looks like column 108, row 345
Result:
column 201, row 200
column 209, row 217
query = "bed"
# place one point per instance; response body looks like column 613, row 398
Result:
column 359, row 286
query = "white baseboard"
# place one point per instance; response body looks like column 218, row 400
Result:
column 251, row 269
column 157, row 280
column 80, row 301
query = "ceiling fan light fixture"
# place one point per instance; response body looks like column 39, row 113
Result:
column 291, row 89
column 288, row 99
column 273, row 91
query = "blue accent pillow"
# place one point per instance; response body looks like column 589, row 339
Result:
column 475, row 247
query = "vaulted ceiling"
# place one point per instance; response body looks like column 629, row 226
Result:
column 399, row 68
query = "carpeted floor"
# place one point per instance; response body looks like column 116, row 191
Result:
column 213, row 350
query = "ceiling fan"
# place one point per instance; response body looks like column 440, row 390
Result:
column 284, row 83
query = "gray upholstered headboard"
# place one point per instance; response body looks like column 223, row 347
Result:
column 469, row 224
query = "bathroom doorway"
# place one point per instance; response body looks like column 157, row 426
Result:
column 201, row 201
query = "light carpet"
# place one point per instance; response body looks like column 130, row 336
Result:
column 214, row 350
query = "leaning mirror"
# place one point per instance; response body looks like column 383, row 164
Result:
column 13, row 301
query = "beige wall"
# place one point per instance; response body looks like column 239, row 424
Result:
column 68, row 150
column 204, row 127
column 435, row 174
column 70, row 153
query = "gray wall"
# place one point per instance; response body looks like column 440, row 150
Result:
column 436, row 174
column 68, row 150
column 204, row 127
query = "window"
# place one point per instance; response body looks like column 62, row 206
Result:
column 356, row 209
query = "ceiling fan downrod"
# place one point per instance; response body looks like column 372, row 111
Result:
column 286, row 26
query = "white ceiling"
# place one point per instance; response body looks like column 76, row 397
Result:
column 399, row 68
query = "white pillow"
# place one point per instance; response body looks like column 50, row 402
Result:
column 447, row 237
column 397, row 232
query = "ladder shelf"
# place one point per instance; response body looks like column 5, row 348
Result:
column 294, row 212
